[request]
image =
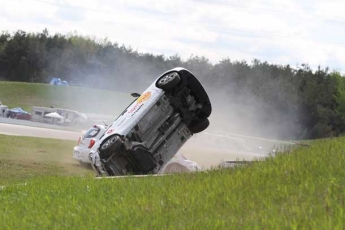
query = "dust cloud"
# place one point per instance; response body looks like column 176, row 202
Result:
column 240, row 129
column 242, row 126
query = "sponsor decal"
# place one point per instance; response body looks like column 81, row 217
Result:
column 139, row 103
column 137, row 110
column 110, row 131
column 133, row 108
column 144, row 97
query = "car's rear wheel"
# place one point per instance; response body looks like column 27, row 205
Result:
column 168, row 81
column 175, row 168
column 199, row 126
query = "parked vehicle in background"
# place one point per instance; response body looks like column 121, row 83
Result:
column 3, row 110
column 151, row 130
column 62, row 116
column 81, row 151
column 19, row 113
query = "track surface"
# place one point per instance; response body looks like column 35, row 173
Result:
column 21, row 130
column 205, row 156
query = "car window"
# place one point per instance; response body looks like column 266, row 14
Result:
column 91, row 132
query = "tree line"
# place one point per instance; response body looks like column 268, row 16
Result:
column 305, row 104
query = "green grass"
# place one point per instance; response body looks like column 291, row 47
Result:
column 302, row 189
column 87, row 100
column 23, row 158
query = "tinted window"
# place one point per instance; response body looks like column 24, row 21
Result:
column 91, row 132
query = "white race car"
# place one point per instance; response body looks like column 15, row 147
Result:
column 85, row 143
column 151, row 130
column 81, row 152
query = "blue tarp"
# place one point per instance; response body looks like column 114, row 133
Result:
column 57, row 81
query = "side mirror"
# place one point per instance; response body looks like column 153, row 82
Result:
column 135, row 94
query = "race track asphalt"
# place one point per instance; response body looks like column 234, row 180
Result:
column 22, row 130
column 193, row 150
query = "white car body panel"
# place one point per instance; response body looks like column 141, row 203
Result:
column 125, row 122
column 81, row 150
column 183, row 161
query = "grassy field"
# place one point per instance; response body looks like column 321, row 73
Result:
column 303, row 189
column 26, row 95
column 23, row 158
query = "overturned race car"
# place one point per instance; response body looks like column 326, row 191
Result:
column 151, row 130
column 178, row 164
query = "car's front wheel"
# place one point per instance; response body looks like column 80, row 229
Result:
column 168, row 81
column 109, row 146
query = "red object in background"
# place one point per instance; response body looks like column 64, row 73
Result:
column 23, row 116
column 19, row 113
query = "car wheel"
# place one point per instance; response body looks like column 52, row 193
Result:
column 199, row 126
column 109, row 146
column 176, row 168
column 168, row 81
column 112, row 170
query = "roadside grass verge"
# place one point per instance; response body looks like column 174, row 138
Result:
column 301, row 189
column 87, row 100
column 22, row 158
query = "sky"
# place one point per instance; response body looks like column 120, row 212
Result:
column 280, row 32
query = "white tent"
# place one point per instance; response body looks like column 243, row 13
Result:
column 54, row 115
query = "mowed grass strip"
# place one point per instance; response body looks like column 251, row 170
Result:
column 302, row 189
column 22, row 158
column 87, row 100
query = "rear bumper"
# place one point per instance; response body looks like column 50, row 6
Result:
column 81, row 155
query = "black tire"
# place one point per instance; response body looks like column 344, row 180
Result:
column 175, row 168
column 199, row 126
column 168, row 81
column 112, row 170
column 109, row 146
